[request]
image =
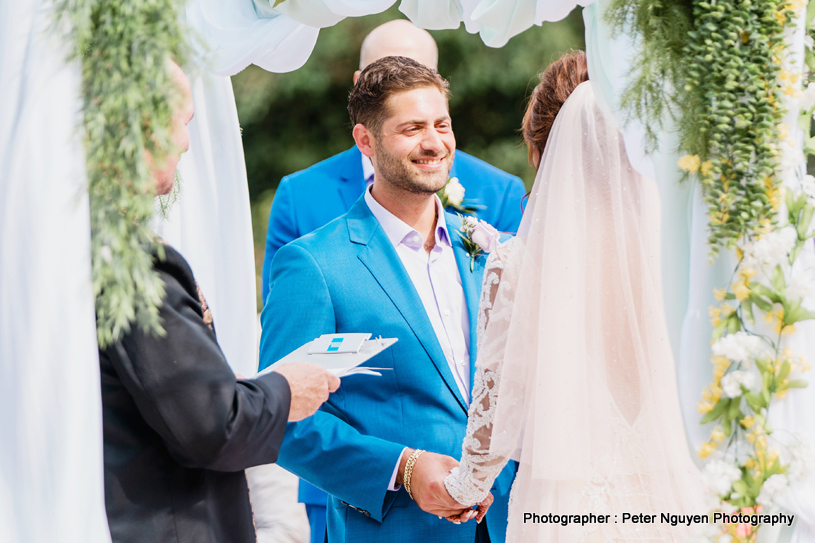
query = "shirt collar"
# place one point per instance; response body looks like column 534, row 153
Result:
column 399, row 232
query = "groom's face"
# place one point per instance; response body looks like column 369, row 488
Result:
column 414, row 148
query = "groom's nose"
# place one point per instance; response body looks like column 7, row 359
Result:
column 434, row 142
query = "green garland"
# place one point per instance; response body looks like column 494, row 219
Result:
column 128, row 99
column 706, row 67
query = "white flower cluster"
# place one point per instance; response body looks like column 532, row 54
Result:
column 454, row 191
column 772, row 488
column 808, row 182
column 771, row 250
column 741, row 347
column 719, row 476
column 733, row 381
column 800, row 284
column 807, row 99
column 802, row 461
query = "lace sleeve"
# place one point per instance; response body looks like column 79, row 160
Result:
column 470, row 483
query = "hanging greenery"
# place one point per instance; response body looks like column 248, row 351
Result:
column 720, row 71
column 128, row 98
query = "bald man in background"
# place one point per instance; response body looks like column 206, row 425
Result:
column 311, row 198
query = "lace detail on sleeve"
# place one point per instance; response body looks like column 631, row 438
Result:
column 470, row 483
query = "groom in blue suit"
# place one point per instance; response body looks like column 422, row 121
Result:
column 394, row 266
column 311, row 198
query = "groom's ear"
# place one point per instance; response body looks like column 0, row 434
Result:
column 364, row 139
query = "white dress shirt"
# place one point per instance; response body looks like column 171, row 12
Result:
column 436, row 278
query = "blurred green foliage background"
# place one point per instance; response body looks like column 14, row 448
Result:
column 291, row 121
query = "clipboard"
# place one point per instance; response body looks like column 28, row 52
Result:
column 341, row 364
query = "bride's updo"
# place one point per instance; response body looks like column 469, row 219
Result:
column 558, row 81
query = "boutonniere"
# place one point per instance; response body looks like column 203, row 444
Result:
column 452, row 196
column 479, row 237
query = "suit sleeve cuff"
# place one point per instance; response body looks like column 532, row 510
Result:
column 392, row 486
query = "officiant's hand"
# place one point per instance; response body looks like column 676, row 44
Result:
column 310, row 386
column 427, row 483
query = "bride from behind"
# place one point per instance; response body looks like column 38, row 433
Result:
column 575, row 377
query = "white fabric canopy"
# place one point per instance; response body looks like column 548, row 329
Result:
column 51, row 478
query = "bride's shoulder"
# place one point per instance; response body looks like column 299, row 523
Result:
column 501, row 255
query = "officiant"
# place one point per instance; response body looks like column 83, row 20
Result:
column 179, row 426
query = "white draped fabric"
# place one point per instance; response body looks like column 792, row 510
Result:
column 210, row 224
column 51, row 479
column 684, row 218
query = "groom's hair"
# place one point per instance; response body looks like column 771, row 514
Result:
column 368, row 102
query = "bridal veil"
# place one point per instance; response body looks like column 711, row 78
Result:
column 575, row 369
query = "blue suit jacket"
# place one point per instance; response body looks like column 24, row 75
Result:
column 347, row 277
column 312, row 198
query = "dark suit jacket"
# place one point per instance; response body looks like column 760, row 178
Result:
column 179, row 429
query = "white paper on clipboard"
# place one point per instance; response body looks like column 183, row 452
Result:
column 340, row 364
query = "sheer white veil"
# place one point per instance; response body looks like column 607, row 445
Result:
column 577, row 338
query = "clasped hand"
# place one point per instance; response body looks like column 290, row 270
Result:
column 430, row 494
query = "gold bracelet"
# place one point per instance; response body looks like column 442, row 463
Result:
column 411, row 461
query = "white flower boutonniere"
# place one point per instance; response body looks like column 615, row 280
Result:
column 452, row 195
column 478, row 237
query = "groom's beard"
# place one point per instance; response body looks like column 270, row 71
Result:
column 403, row 174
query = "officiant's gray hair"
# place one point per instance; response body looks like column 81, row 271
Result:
column 368, row 102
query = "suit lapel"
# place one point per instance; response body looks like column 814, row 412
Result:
column 352, row 182
column 470, row 282
column 381, row 259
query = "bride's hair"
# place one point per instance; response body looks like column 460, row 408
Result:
column 558, row 82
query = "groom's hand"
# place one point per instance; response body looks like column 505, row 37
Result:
column 310, row 386
column 427, row 483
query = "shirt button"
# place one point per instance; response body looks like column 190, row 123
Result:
column 446, row 312
column 461, row 363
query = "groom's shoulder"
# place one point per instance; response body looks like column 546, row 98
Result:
column 325, row 244
column 327, row 171
column 468, row 166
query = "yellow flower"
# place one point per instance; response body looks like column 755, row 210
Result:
column 784, row 131
column 747, row 421
column 719, row 293
column 773, row 456
column 712, row 393
column 717, row 435
column 750, row 463
column 775, row 318
column 706, row 167
column 741, row 290
column 747, row 273
column 704, row 406
column 805, row 365
column 788, row 329
column 781, row 393
column 727, row 309
column 706, row 449
column 793, row 91
column 751, row 437
column 689, row 163
column 720, row 365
